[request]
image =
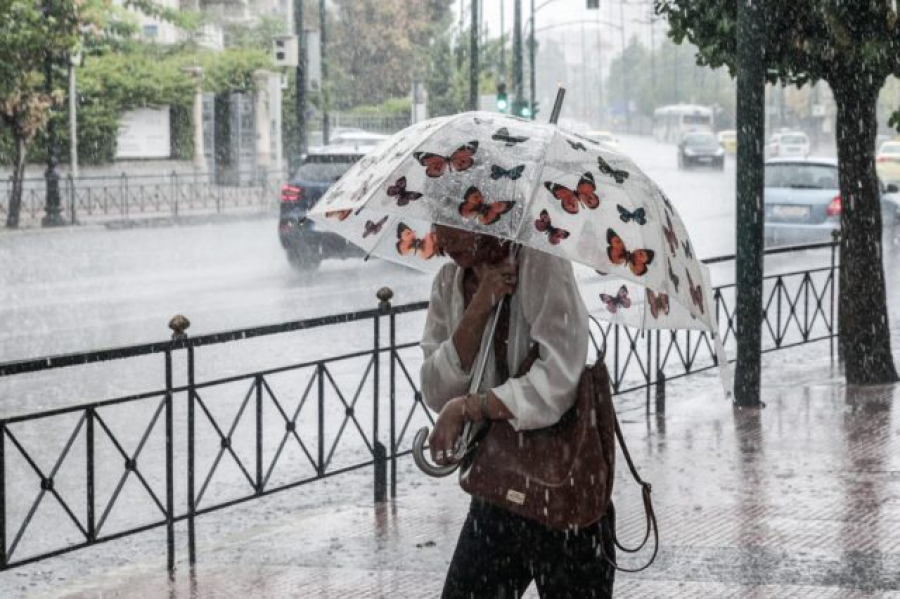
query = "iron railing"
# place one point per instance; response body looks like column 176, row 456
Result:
column 306, row 407
column 142, row 196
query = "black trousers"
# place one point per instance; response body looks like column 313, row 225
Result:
column 499, row 553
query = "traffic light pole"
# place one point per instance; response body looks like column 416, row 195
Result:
column 473, row 59
column 531, row 52
column 518, row 92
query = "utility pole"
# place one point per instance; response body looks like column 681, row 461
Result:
column 323, row 89
column 625, row 66
column 299, row 144
column 531, row 51
column 52, row 208
column 751, row 82
column 517, row 59
column 473, row 59
column 502, row 43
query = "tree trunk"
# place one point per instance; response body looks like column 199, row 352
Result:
column 15, row 200
column 862, row 309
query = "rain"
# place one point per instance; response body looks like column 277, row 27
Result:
column 321, row 298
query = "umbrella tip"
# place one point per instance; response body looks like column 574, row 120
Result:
column 557, row 105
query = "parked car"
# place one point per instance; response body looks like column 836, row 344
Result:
column 887, row 161
column 305, row 245
column 728, row 141
column 784, row 145
column 604, row 138
column 803, row 200
column 700, row 148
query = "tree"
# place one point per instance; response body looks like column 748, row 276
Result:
column 853, row 45
column 379, row 46
column 33, row 35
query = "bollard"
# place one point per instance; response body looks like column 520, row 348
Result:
column 660, row 392
column 179, row 324
column 380, row 453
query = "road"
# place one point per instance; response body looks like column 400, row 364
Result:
column 74, row 290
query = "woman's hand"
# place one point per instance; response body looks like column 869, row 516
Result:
column 495, row 281
column 445, row 436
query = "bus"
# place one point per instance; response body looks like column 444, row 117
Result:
column 671, row 123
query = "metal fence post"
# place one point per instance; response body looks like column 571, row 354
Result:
column 70, row 182
column 259, row 435
column 89, row 500
column 3, row 557
column 179, row 324
column 836, row 236
column 170, row 470
column 380, row 452
column 320, row 373
column 660, row 392
column 175, row 194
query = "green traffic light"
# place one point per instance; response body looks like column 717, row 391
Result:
column 526, row 112
column 502, row 104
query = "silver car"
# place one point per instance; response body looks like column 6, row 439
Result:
column 803, row 200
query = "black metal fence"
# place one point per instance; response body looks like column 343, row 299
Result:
column 135, row 196
column 183, row 432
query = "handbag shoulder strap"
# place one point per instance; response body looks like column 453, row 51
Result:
column 501, row 340
column 646, row 488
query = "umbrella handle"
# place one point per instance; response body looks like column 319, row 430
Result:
column 422, row 462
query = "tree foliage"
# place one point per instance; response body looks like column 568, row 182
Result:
column 853, row 45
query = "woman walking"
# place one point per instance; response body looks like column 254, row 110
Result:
column 499, row 553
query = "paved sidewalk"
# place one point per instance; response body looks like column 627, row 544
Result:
column 800, row 499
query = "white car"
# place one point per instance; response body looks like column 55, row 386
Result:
column 605, row 138
column 788, row 145
column 360, row 140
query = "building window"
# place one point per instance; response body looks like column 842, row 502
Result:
column 151, row 31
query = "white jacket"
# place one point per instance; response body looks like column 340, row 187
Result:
column 547, row 308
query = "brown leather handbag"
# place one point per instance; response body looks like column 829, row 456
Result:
column 562, row 475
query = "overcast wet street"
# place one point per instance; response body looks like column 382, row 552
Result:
column 93, row 287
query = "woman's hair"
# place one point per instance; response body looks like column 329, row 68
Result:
column 491, row 250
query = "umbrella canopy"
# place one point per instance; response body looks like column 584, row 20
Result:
column 537, row 185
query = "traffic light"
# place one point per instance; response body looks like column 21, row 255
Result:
column 535, row 108
column 525, row 111
column 502, row 101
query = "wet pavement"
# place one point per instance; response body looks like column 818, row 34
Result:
column 800, row 499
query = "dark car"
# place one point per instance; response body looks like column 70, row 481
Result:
column 700, row 149
column 306, row 246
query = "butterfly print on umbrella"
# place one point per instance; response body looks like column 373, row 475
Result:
column 618, row 174
column 696, row 293
column 688, row 249
column 545, row 225
column 639, row 215
column 475, row 206
column 408, row 244
column 373, row 228
column 360, row 193
column 669, row 234
column 673, row 277
column 498, row 172
column 576, row 145
column 638, row 260
column 620, row 300
column 338, row 214
column 665, row 200
column 436, row 165
column 502, row 134
column 585, row 193
column 398, row 190
column 479, row 121
column 659, row 304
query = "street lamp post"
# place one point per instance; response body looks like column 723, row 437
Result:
column 531, row 51
column 53, row 210
column 74, row 63
column 299, row 144
column 517, row 58
column 323, row 47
